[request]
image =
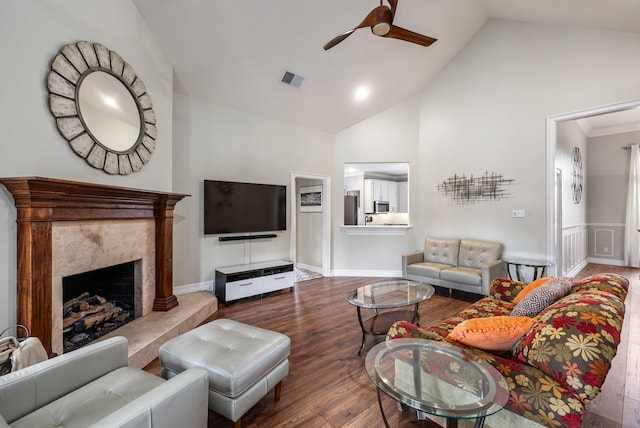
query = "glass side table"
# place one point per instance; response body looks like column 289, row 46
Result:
column 388, row 295
column 539, row 267
column 437, row 378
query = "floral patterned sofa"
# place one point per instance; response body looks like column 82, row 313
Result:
column 560, row 364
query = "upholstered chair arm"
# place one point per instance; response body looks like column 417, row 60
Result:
column 411, row 258
column 180, row 401
column 505, row 289
column 490, row 271
column 26, row 390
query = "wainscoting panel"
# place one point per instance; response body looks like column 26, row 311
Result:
column 606, row 243
column 574, row 249
column 603, row 242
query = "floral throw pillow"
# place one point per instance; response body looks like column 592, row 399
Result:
column 540, row 298
column 575, row 340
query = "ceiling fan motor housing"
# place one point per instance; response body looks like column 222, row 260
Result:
column 384, row 18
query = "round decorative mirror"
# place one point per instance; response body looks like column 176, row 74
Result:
column 102, row 108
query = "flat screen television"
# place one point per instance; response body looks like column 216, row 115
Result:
column 232, row 207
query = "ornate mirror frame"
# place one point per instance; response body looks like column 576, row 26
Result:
column 69, row 68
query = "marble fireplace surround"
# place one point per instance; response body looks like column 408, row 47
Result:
column 66, row 227
column 83, row 246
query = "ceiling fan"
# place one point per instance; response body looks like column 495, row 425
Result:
column 380, row 20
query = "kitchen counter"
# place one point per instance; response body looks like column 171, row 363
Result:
column 377, row 229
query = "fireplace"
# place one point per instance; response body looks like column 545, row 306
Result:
column 66, row 227
column 98, row 302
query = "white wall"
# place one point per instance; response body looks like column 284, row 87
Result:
column 31, row 35
column 309, row 232
column 391, row 136
column 221, row 143
column 570, row 135
column 607, row 184
column 574, row 246
column 487, row 110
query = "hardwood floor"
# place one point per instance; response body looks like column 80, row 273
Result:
column 327, row 385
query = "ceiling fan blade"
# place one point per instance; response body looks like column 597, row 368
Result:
column 338, row 39
column 368, row 21
column 409, row 36
column 394, row 5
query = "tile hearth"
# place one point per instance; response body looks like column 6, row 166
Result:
column 146, row 334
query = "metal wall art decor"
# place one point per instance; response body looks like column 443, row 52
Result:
column 464, row 190
column 576, row 175
column 102, row 108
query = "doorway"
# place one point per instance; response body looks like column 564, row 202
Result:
column 554, row 211
column 321, row 234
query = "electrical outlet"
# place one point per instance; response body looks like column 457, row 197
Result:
column 517, row 213
column 606, row 249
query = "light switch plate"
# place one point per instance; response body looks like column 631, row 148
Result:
column 517, row 213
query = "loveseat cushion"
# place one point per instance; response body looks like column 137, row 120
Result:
column 428, row 269
column 93, row 401
column 475, row 254
column 465, row 275
column 442, row 250
column 575, row 340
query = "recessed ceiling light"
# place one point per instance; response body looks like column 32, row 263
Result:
column 361, row 93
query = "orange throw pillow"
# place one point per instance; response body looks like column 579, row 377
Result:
column 493, row 334
column 530, row 287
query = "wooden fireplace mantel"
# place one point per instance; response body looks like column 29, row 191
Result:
column 41, row 201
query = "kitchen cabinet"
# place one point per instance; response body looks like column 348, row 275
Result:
column 403, row 197
column 380, row 190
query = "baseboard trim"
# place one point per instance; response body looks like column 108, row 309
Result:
column 368, row 273
column 192, row 288
column 577, row 268
column 315, row 269
column 611, row 262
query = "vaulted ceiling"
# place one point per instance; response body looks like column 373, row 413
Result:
column 235, row 52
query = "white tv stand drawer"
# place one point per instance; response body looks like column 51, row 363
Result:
column 278, row 281
column 239, row 289
column 237, row 282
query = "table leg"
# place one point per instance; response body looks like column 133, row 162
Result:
column 416, row 316
column 364, row 332
column 384, row 417
column 479, row 422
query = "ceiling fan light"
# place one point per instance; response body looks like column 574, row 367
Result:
column 381, row 28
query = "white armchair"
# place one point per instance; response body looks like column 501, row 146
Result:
column 93, row 387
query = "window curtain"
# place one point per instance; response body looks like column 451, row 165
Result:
column 632, row 224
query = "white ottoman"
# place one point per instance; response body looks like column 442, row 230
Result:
column 244, row 363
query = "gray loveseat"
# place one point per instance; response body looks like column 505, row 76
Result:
column 462, row 264
column 93, row 387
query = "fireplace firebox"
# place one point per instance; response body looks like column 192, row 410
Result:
column 98, row 302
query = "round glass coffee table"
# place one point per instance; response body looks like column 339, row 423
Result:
column 437, row 378
column 392, row 294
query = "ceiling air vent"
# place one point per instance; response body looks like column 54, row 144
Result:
column 290, row 79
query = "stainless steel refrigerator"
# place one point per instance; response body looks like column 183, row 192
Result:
column 350, row 210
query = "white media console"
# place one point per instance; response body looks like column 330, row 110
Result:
column 237, row 282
